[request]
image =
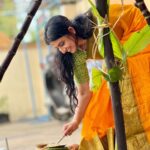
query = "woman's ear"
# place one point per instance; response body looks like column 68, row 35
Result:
column 71, row 30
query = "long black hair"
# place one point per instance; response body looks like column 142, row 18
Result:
column 56, row 27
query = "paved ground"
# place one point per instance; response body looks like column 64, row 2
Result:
column 26, row 135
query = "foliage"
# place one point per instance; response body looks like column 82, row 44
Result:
column 115, row 73
column 96, row 79
column 117, row 48
column 112, row 75
column 138, row 41
column 3, row 104
column 7, row 21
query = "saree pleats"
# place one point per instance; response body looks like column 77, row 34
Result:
column 98, row 117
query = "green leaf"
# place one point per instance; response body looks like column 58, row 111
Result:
column 124, row 56
column 117, row 48
column 106, row 77
column 138, row 41
column 116, row 144
column 99, row 22
column 108, row 4
column 95, row 79
column 95, row 12
column 115, row 42
column 108, row 1
column 101, row 45
column 115, row 74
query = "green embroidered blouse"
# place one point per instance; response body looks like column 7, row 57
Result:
column 80, row 69
column 79, row 57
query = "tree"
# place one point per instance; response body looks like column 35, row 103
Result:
column 7, row 18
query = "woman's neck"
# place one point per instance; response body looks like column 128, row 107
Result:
column 82, row 44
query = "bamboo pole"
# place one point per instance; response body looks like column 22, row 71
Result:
column 114, row 87
column 141, row 5
column 19, row 37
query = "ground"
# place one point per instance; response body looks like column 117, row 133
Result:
column 25, row 135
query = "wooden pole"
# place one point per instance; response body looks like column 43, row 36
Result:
column 114, row 87
column 19, row 37
column 141, row 5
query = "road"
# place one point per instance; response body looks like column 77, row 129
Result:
column 25, row 135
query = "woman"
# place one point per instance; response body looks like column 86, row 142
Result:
column 74, row 42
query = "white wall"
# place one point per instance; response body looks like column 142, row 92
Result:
column 15, row 88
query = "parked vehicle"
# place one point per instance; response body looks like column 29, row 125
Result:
column 58, row 104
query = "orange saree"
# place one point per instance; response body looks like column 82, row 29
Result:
column 135, row 90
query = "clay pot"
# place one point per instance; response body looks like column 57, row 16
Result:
column 41, row 146
column 46, row 147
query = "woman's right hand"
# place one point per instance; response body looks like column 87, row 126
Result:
column 73, row 147
column 70, row 127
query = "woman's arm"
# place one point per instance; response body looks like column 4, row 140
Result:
column 84, row 96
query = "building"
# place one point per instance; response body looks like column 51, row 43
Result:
column 22, row 89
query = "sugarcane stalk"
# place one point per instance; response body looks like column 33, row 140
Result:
column 114, row 87
column 19, row 37
column 141, row 5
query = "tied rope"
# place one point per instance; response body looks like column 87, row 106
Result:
column 105, row 24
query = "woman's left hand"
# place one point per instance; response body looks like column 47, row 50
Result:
column 69, row 128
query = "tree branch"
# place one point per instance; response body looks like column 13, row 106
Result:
column 141, row 5
column 19, row 37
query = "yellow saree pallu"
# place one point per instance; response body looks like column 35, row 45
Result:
column 136, row 137
column 96, row 144
column 139, row 70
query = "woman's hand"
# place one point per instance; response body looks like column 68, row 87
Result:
column 84, row 96
column 70, row 127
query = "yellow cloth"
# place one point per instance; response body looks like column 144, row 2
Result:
column 96, row 144
column 135, row 136
column 139, row 70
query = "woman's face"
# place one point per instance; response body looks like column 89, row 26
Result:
column 66, row 43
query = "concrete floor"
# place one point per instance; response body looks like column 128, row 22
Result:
column 25, row 135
